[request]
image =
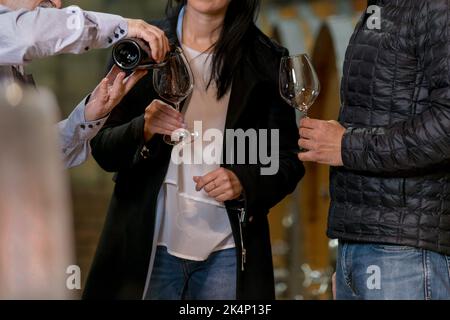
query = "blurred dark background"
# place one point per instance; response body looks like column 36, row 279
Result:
column 303, row 256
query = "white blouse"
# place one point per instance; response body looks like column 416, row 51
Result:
column 193, row 224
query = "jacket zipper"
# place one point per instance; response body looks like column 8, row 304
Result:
column 242, row 211
column 243, row 250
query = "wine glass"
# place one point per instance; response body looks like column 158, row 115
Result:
column 299, row 83
column 174, row 82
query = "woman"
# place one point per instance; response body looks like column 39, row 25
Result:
column 199, row 231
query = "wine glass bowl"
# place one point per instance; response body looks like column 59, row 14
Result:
column 174, row 82
column 299, row 83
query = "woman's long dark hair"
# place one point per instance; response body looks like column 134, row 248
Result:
column 230, row 49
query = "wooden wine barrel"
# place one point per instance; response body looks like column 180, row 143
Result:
column 321, row 28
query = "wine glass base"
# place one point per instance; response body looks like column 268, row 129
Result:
column 181, row 136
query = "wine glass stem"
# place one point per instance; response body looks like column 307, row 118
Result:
column 305, row 114
column 177, row 106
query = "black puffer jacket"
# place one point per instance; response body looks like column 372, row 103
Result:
column 395, row 184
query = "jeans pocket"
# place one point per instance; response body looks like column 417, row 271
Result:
column 448, row 265
column 393, row 248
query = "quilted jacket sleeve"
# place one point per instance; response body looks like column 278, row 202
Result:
column 423, row 140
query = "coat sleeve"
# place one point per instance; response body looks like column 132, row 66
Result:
column 423, row 140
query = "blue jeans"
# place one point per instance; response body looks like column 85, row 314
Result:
column 391, row 272
column 180, row 279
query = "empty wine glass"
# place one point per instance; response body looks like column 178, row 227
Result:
column 174, row 82
column 299, row 83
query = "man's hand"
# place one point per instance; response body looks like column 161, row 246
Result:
column 322, row 140
column 161, row 118
column 110, row 92
column 221, row 184
column 154, row 36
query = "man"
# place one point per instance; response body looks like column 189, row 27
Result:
column 31, row 29
column 390, row 185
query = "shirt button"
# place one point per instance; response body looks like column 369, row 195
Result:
column 98, row 123
column 86, row 49
column 145, row 152
column 83, row 126
column 90, row 126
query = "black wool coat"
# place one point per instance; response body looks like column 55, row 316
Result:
column 121, row 262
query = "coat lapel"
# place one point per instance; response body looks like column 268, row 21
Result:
column 244, row 81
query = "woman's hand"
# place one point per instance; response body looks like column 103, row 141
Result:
column 110, row 92
column 161, row 118
column 221, row 184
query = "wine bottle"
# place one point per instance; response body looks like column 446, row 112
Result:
column 130, row 54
